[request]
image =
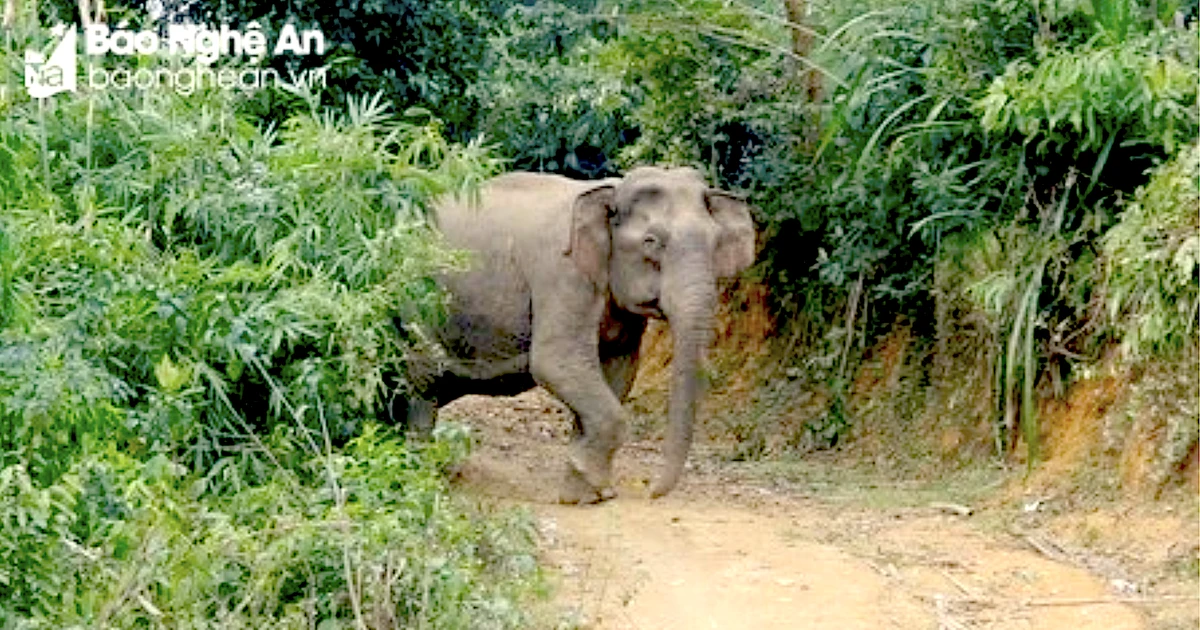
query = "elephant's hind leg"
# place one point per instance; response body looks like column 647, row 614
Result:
column 421, row 417
column 418, row 415
column 619, row 362
column 620, row 344
column 619, row 372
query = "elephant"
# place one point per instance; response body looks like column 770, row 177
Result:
column 565, row 275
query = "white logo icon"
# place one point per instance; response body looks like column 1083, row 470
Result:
column 47, row 77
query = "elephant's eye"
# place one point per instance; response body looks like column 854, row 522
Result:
column 647, row 195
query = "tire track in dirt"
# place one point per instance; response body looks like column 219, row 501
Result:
column 719, row 553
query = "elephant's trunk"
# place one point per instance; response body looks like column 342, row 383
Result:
column 689, row 309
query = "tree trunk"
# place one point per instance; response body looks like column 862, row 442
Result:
column 10, row 13
column 801, row 37
column 804, row 74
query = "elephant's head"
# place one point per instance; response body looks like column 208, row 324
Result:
column 657, row 241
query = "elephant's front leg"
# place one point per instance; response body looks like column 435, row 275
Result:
column 565, row 360
column 600, row 426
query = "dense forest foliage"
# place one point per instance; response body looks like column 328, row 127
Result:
column 197, row 292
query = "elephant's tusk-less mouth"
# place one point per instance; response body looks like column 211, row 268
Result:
column 649, row 308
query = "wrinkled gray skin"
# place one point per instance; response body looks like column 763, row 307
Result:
column 565, row 276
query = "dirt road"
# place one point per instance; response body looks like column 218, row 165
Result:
column 731, row 553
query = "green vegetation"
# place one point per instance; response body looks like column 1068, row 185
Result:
column 1151, row 257
column 197, row 336
column 198, row 295
column 365, row 537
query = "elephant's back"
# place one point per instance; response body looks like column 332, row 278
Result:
column 524, row 183
column 517, row 218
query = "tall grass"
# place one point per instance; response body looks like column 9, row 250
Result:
column 1014, row 267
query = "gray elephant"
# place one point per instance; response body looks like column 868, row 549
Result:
column 564, row 277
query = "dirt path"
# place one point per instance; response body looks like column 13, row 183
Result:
column 725, row 553
column 699, row 564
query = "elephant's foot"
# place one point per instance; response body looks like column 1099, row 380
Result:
column 576, row 490
column 592, row 463
column 421, row 418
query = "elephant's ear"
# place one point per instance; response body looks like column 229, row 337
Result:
column 589, row 244
column 735, row 242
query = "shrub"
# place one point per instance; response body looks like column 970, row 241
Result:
column 197, row 326
column 368, row 535
column 1152, row 263
column 202, row 276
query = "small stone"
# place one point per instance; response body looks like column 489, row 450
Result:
column 1125, row 587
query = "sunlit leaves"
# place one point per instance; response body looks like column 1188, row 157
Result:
column 1141, row 90
column 1115, row 17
